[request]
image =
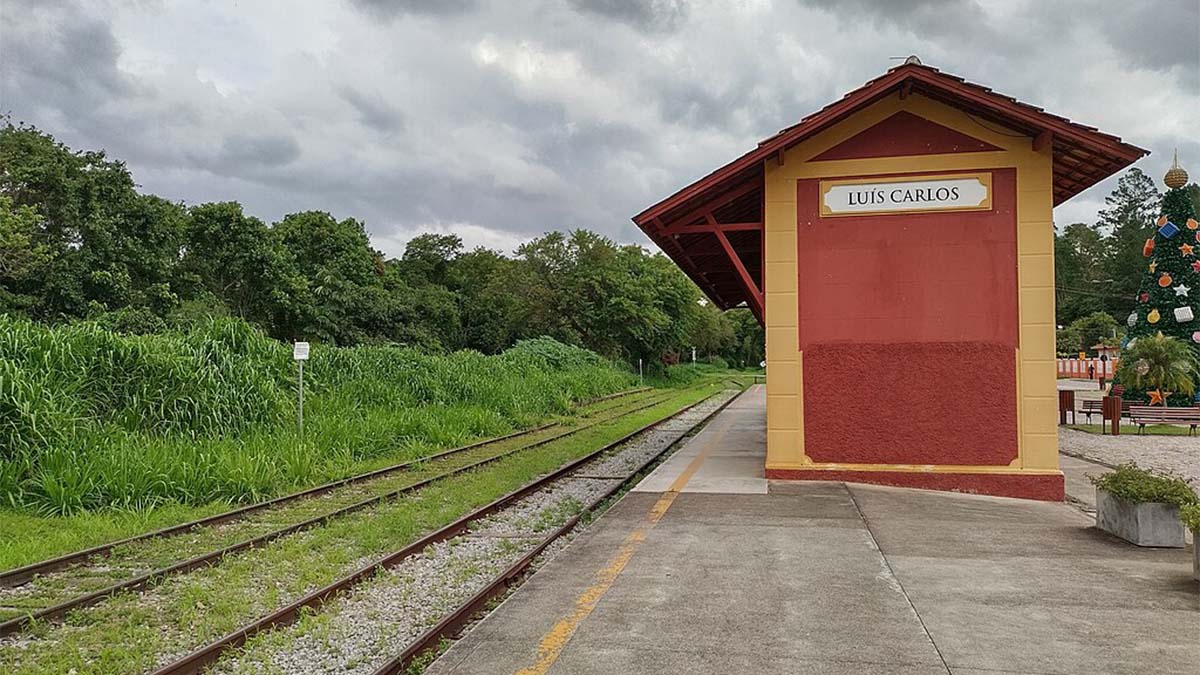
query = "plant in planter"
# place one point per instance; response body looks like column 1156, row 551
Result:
column 1141, row 506
column 1190, row 516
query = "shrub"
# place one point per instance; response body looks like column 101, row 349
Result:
column 1190, row 515
column 1135, row 484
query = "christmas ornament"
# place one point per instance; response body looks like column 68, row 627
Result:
column 1169, row 230
column 1153, row 316
column 1165, row 279
column 1176, row 177
column 1182, row 290
column 1142, row 366
column 1196, row 266
column 1183, row 314
column 1132, row 320
column 1144, row 297
column 1162, row 220
column 1196, row 337
column 1192, row 224
column 1156, row 397
column 1153, row 265
column 1186, row 249
column 1148, row 247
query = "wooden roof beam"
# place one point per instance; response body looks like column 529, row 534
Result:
column 754, row 296
column 711, row 226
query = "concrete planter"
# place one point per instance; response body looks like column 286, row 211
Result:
column 1146, row 524
column 1196, row 555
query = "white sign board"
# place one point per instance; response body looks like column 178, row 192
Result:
column 910, row 194
column 300, row 351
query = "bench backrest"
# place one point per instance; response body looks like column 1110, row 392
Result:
column 1167, row 414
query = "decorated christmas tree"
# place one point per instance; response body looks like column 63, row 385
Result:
column 1168, row 301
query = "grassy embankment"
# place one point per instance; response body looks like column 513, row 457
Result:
column 103, row 436
column 129, row 632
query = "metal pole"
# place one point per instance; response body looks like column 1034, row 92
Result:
column 301, row 398
column 693, row 356
column 640, row 379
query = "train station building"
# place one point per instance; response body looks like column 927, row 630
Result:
column 898, row 247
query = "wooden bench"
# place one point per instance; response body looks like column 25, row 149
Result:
column 1097, row 408
column 1142, row 415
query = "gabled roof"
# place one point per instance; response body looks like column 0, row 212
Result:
column 1082, row 157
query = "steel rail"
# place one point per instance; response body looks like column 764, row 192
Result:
column 464, row 614
column 60, row 610
column 21, row 575
column 198, row 660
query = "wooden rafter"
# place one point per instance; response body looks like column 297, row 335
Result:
column 754, row 297
column 712, row 226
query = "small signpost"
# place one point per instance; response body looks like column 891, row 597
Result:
column 640, row 379
column 300, row 355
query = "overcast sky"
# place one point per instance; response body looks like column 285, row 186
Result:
column 501, row 120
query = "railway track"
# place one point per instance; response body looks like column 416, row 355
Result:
column 515, row 524
column 86, row 577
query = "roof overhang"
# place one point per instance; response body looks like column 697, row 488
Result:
column 729, row 200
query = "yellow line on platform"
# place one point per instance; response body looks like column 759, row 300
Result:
column 553, row 643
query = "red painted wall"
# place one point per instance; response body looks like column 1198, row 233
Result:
column 908, row 324
column 904, row 134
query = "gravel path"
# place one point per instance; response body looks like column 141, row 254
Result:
column 1177, row 454
column 357, row 631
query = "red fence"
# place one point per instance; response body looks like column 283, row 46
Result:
column 1079, row 368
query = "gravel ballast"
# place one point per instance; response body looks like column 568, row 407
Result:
column 358, row 631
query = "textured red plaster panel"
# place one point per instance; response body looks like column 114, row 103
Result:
column 904, row 134
column 910, row 403
column 925, row 277
column 1038, row 486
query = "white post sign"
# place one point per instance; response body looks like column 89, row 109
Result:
column 300, row 355
column 909, row 194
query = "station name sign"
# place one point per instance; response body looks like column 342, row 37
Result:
column 908, row 194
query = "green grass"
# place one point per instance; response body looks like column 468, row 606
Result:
column 124, row 634
column 1132, row 430
column 28, row 537
column 91, row 420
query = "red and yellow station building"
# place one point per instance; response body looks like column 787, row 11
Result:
column 898, row 247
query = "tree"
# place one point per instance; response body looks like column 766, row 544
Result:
column 1084, row 333
column 1163, row 367
column 1128, row 221
column 428, row 258
column 1169, row 273
column 22, row 257
column 108, row 247
column 236, row 262
column 1079, row 287
column 337, row 262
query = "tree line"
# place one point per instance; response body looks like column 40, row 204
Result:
column 1098, row 266
column 79, row 241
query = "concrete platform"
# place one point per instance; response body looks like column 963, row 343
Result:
column 733, row 448
column 835, row 578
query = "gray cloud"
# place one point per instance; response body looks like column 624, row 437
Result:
column 394, row 8
column 67, row 57
column 373, row 110
column 505, row 120
column 267, row 150
column 652, row 15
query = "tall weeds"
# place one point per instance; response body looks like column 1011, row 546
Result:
column 92, row 419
